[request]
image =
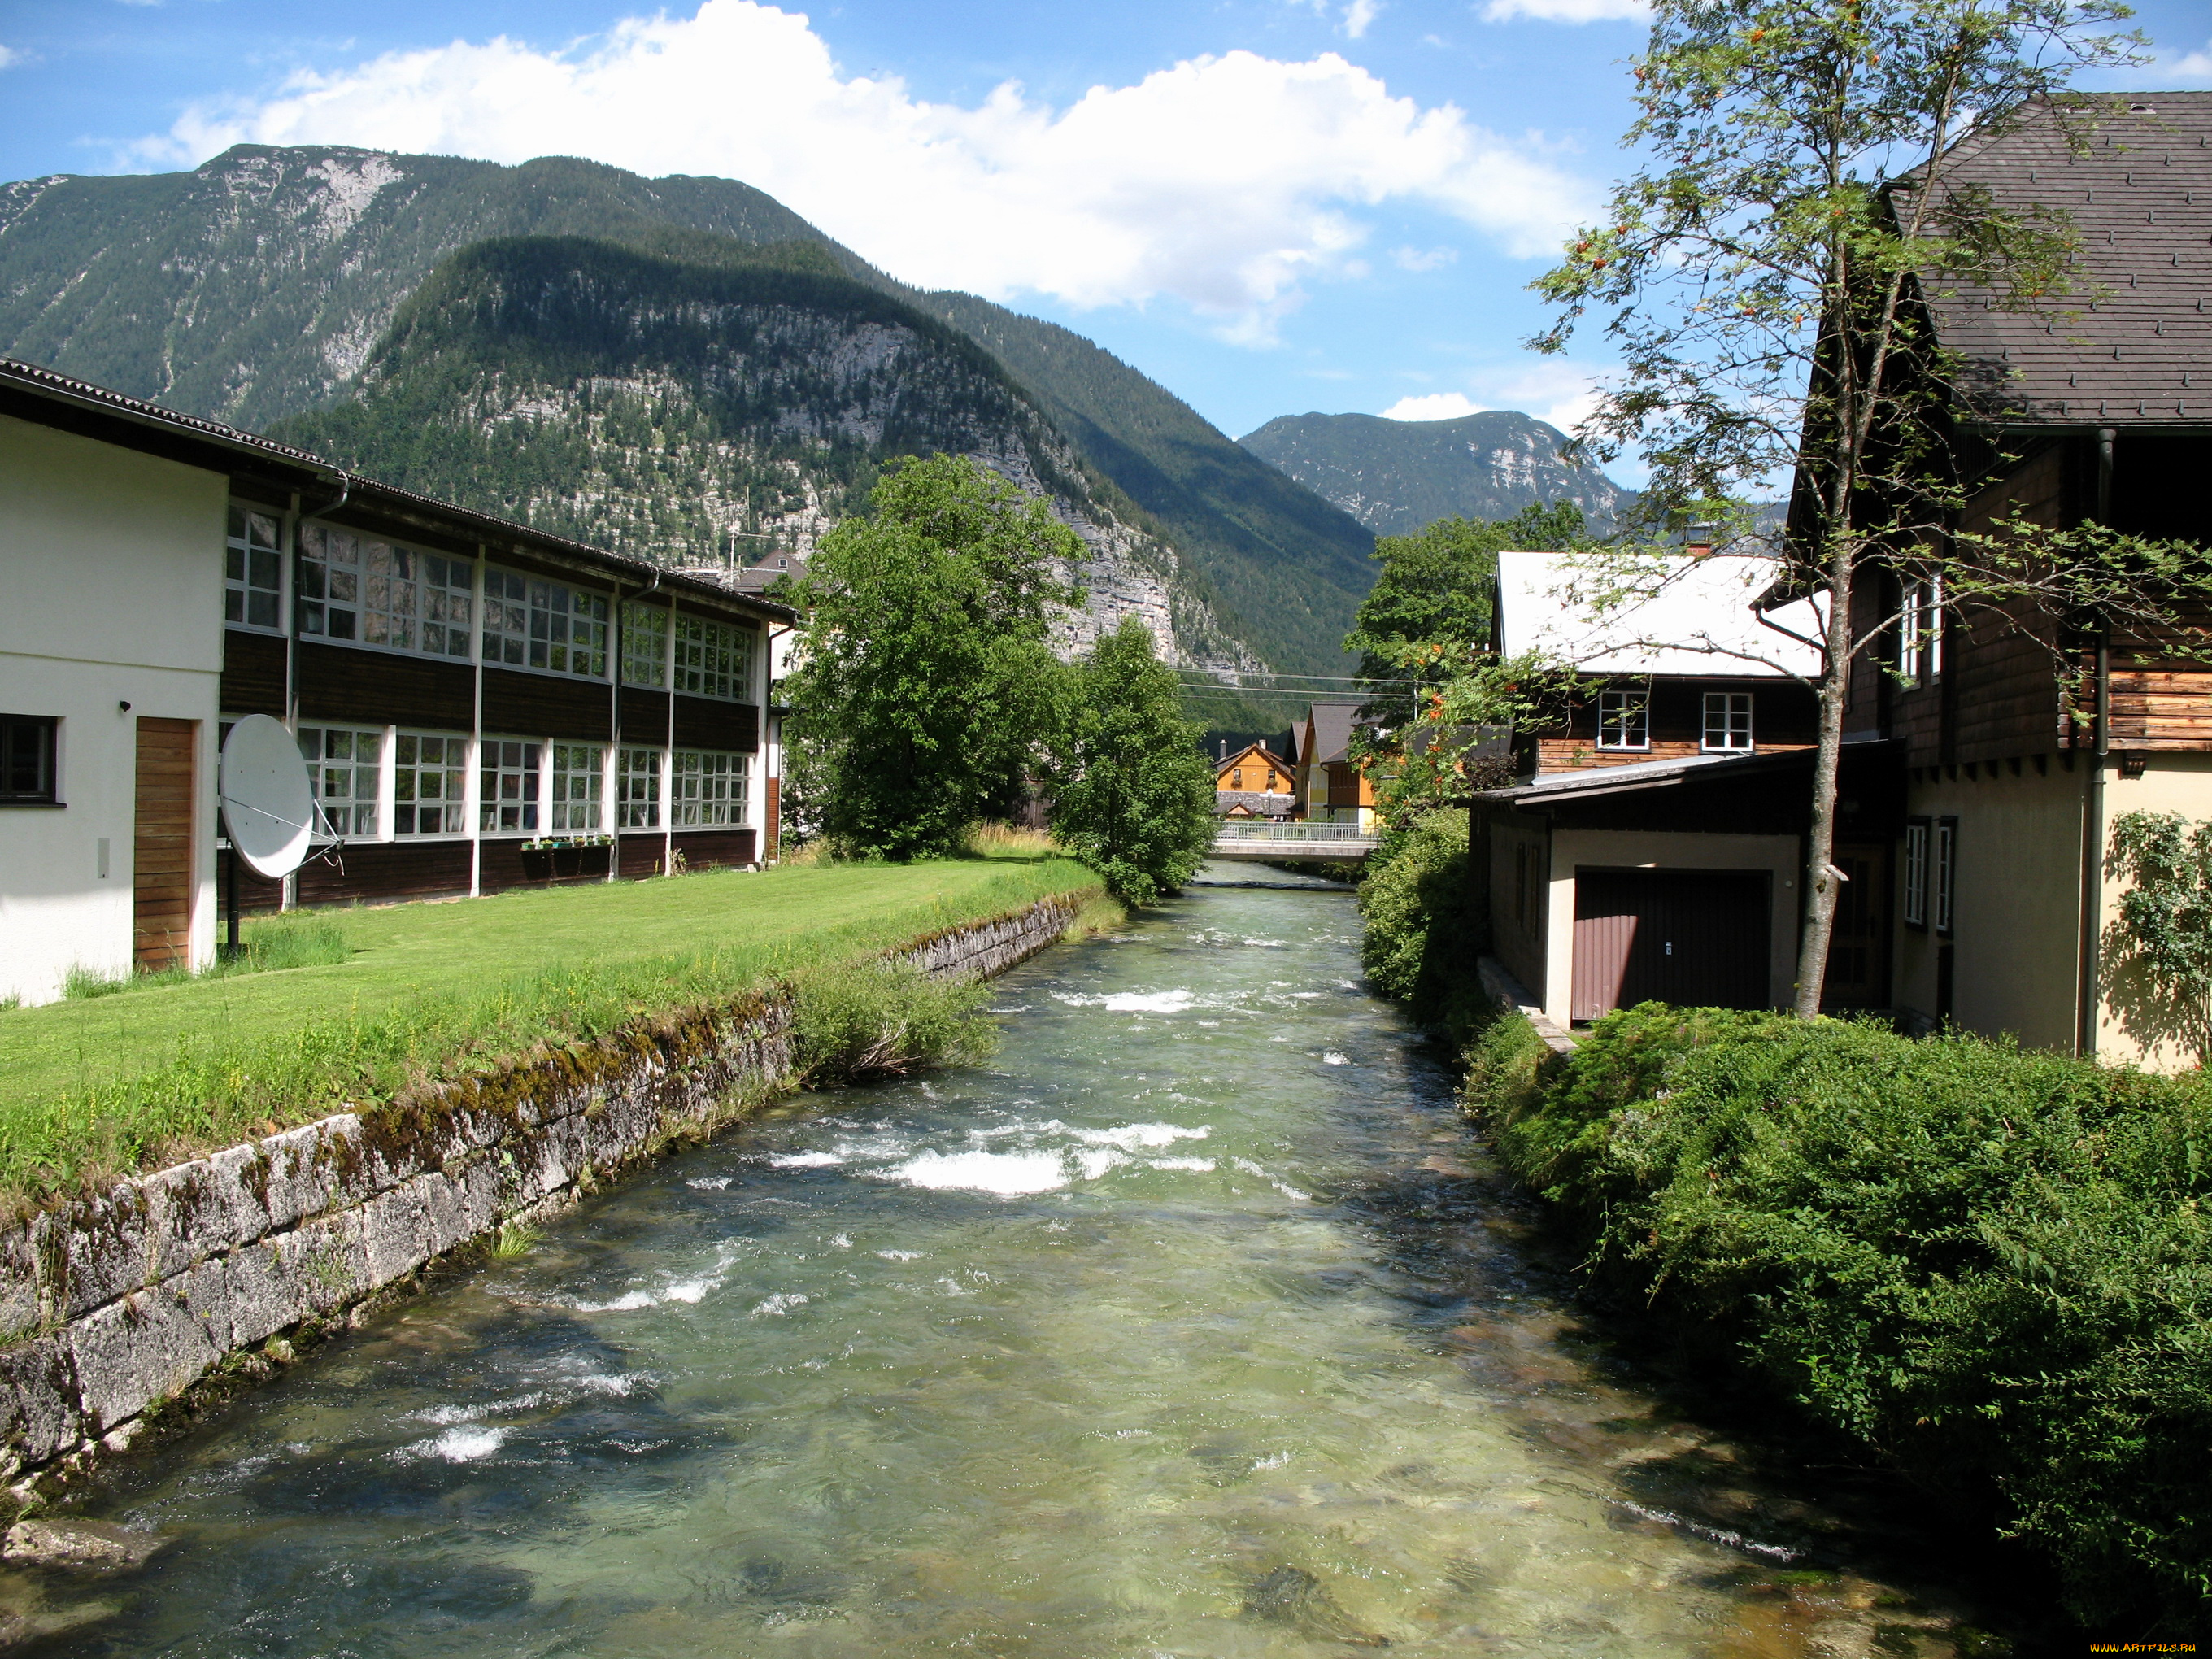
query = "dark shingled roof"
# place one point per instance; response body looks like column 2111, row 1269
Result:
column 2139, row 354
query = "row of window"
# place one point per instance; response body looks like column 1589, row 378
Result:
column 418, row 783
column 362, row 591
column 1624, row 721
column 1931, row 872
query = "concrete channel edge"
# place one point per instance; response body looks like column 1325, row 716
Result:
column 124, row 1303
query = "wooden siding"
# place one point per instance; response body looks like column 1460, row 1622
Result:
column 710, row 849
column 644, row 716
column 161, row 843
column 546, row 706
column 252, row 674
column 379, row 688
column 639, row 855
column 708, row 723
column 772, row 832
column 1695, row 938
column 387, row 871
column 1784, row 715
column 257, row 894
column 2165, row 709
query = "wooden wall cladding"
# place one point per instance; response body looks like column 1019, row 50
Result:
column 379, row 872
column 252, row 673
column 2156, row 710
column 703, row 723
column 257, row 894
column 547, row 706
column 644, row 716
column 710, row 849
column 378, row 688
column 639, row 856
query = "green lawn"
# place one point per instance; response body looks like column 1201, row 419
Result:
column 130, row 1080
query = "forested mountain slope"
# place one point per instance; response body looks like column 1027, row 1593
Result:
column 255, row 287
column 1396, row 477
column 684, row 409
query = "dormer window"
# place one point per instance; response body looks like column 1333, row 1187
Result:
column 1623, row 720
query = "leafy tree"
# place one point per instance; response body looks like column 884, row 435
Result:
column 926, row 688
column 2162, row 936
column 1765, row 285
column 1435, row 590
column 1133, row 793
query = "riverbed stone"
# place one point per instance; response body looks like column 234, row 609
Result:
column 38, row 1413
column 150, row 1344
column 82, row 1546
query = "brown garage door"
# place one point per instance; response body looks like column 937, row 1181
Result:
column 161, row 845
column 1698, row 938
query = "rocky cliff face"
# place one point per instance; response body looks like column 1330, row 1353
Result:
column 702, row 414
column 1397, row 476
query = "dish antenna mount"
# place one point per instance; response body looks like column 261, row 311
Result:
column 269, row 807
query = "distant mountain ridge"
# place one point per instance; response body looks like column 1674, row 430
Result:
column 258, row 286
column 1397, row 476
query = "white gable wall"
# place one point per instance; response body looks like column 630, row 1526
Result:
column 111, row 591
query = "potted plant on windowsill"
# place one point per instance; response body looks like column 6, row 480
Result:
column 567, row 858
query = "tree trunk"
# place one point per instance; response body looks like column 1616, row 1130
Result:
column 1821, row 876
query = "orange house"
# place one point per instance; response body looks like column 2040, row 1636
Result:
column 1254, row 782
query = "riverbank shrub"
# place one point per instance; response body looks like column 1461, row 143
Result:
column 1418, row 944
column 1989, row 1265
column 859, row 1022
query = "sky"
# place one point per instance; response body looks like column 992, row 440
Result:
column 1271, row 207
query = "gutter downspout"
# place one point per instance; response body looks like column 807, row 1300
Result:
column 2092, row 807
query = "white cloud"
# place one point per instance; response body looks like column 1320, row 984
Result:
column 1357, row 15
column 1568, row 11
column 1416, row 259
column 1222, row 182
column 1433, row 406
column 2190, row 69
column 8, row 55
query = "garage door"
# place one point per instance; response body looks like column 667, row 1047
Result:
column 1698, row 938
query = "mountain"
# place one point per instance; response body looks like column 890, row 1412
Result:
column 654, row 406
column 259, row 286
column 1399, row 477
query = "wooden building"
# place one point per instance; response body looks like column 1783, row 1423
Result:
column 1254, row 782
column 1985, row 761
column 1331, row 787
column 481, row 705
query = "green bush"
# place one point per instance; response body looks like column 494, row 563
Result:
column 1990, row 1265
column 1419, row 946
column 854, row 1021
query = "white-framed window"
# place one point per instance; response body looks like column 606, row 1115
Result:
column 1623, row 720
column 346, row 763
column 576, row 777
column 1728, row 720
column 1916, row 872
column 430, row 784
column 645, row 645
column 713, row 659
column 509, row 771
column 1920, row 632
column 532, row 623
column 253, row 570
column 1946, row 872
column 384, row 593
column 637, row 789
column 706, row 789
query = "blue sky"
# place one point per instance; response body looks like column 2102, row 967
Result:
column 1270, row 206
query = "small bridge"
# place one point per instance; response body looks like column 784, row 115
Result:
column 1284, row 844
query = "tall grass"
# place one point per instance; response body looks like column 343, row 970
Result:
column 303, row 939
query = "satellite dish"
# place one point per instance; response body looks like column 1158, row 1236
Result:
column 268, row 799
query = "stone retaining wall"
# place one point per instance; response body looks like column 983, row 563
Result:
column 119, row 1303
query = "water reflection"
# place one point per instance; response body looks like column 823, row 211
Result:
column 1195, row 1325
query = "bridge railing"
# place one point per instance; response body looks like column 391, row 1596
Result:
column 1236, row 830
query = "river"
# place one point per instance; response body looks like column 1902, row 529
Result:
column 1195, row 1324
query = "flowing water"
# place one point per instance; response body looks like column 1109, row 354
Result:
column 1193, row 1325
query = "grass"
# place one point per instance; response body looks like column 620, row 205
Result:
column 92, row 1087
column 303, row 939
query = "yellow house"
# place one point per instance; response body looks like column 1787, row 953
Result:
column 1331, row 789
column 1254, row 782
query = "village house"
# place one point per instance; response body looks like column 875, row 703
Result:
column 1330, row 787
column 1984, row 764
column 480, row 705
column 1254, row 782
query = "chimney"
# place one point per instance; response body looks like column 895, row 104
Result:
column 1698, row 541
